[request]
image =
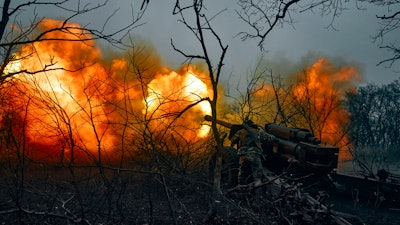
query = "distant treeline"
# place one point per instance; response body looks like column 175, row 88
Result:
column 375, row 117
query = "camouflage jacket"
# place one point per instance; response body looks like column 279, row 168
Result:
column 249, row 140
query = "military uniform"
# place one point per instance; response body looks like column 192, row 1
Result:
column 248, row 141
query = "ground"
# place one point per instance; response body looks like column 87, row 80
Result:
column 92, row 195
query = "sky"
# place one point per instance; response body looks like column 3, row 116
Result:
column 350, row 41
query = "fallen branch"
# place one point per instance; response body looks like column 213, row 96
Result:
column 252, row 184
column 339, row 217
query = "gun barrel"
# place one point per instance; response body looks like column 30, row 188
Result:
column 293, row 134
column 292, row 145
column 220, row 122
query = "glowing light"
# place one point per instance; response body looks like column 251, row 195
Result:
column 325, row 86
column 169, row 94
column 12, row 67
column 83, row 109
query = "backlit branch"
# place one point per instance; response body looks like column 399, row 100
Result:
column 81, row 33
column 17, row 30
column 263, row 17
column 395, row 56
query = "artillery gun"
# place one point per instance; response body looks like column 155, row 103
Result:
column 304, row 157
column 293, row 146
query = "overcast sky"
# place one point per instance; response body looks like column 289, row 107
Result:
column 351, row 41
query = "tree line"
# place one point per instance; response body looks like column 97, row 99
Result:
column 374, row 124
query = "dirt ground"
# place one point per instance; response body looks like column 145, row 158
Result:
column 90, row 195
column 366, row 209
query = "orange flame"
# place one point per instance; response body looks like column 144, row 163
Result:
column 313, row 101
column 86, row 109
column 325, row 86
column 81, row 96
column 169, row 93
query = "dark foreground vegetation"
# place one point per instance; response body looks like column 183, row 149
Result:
column 45, row 194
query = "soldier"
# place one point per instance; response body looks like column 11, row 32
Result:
column 248, row 141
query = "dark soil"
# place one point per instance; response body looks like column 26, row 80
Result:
column 367, row 208
column 90, row 195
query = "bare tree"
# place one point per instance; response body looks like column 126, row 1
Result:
column 314, row 107
column 389, row 25
column 297, row 102
column 263, row 16
column 374, row 126
column 17, row 30
column 202, row 31
column 19, row 37
column 256, row 100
